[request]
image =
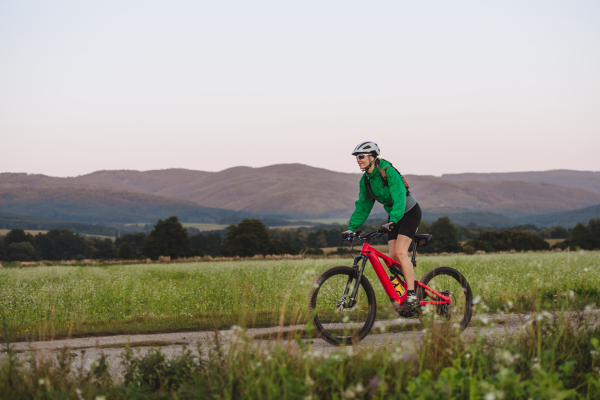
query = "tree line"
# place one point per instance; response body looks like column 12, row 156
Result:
column 251, row 237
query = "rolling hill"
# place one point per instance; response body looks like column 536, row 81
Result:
column 566, row 219
column 585, row 180
column 103, row 205
column 294, row 190
column 29, row 222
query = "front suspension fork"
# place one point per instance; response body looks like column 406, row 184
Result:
column 359, row 273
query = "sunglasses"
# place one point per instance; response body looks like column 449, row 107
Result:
column 362, row 156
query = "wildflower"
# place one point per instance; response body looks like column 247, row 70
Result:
column 571, row 294
column 477, row 299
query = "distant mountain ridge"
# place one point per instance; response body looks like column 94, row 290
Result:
column 295, row 190
column 94, row 205
column 586, row 180
column 11, row 221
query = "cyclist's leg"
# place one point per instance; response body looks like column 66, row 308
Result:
column 400, row 239
column 399, row 252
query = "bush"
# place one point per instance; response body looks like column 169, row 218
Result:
column 312, row 252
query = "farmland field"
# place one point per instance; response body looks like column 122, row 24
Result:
column 56, row 301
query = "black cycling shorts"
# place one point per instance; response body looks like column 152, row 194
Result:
column 408, row 224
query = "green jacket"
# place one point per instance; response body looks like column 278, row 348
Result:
column 392, row 196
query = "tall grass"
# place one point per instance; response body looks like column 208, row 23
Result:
column 58, row 301
column 551, row 359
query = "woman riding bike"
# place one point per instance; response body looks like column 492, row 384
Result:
column 382, row 182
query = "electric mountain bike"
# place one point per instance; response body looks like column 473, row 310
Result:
column 343, row 306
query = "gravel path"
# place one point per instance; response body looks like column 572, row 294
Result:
column 85, row 350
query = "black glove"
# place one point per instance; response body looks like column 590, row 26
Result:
column 390, row 226
column 346, row 234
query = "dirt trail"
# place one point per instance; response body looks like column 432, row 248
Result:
column 85, row 350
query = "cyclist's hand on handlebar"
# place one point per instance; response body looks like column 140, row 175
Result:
column 390, row 226
column 347, row 234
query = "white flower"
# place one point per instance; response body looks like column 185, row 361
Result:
column 477, row 299
column 41, row 381
column 571, row 294
column 490, row 396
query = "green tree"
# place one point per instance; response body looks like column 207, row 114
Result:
column 18, row 236
column 594, row 228
column 581, row 237
column 168, row 238
column 249, row 238
column 445, row 237
column 60, row 244
column 125, row 252
column 211, row 243
column 284, row 247
column 22, row 251
column 2, row 248
column 135, row 240
column 105, row 249
column 558, row 232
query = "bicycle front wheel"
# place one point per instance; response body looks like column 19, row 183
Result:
column 451, row 283
column 336, row 319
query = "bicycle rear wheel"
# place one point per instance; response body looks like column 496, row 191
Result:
column 449, row 282
column 335, row 320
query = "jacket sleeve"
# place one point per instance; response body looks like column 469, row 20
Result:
column 364, row 205
column 398, row 193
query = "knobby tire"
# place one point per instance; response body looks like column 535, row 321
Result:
column 328, row 287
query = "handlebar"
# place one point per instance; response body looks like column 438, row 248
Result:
column 366, row 236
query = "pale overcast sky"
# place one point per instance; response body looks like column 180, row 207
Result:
column 442, row 86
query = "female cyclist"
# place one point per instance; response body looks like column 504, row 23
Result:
column 382, row 182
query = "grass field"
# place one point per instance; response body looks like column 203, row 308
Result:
column 56, row 301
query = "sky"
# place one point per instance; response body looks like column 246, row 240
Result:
column 442, row 87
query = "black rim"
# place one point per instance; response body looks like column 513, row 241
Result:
column 344, row 323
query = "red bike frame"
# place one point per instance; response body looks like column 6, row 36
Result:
column 374, row 255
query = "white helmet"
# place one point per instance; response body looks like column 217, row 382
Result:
column 367, row 147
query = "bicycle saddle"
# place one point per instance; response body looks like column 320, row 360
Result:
column 423, row 240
